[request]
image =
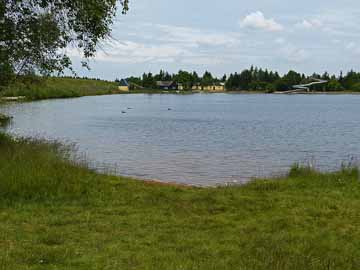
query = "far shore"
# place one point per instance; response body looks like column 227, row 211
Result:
column 161, row 92
column 58, row 88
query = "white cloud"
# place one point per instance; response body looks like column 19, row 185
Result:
column 257, row 20
column 193, row 37
column 279, row 44
column 289, row 51
column 204, row 60
column 130, row 52
column 135, row 52
column 293, row 54
column 304, row 24
column 280, row 41
column 309, row 24
column 169, row 44
column 350, row 46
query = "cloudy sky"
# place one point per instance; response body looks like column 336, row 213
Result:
column 230, row 35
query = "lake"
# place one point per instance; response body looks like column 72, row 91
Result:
column 201, row 139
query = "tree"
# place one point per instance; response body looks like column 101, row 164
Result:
column 148, row 80
column 207, row 79
column 185, row 78
column 355, row 87
column 34, row 34
column 334, row 85
column 245, row 79
column 282, row 85
column 352, row 78
column 195, row 78
column 292, row 78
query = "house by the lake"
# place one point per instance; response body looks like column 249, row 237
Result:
column 216, row 87
column 167, row 85
column 124, row 85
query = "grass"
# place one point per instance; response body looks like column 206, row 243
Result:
column 36, row 88
column 4, row 119
column 55, row 214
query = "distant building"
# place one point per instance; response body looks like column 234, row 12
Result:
column 167, row 85
column 216, row 87
column 124, row 85
column 197, row 87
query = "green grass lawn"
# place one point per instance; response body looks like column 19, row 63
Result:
column 57, row 87
column 55, row 214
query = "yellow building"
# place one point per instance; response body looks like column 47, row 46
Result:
column 124, row 86
column 197, row 87
column 216, row 87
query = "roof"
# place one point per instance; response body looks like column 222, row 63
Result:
column 213, row 84
column 123, row 82
column 164, row 83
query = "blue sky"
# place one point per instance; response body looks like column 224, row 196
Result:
column 230, row 35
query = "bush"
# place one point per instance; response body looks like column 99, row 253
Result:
column 355, row 87
column 4, row 119
column 6, row 74
column 334, row 85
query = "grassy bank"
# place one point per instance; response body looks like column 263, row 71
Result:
column 4, row 119
column 55, row 214
column 36, row 88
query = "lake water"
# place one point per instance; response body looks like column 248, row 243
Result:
column 205, row 139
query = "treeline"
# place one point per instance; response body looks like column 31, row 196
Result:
column 257, row 79
column 187, row 79
column 253, row 79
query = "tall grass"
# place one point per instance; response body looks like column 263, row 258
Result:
column 53, row 87
column 56, row 214
column 4, row 119
column 36, row 170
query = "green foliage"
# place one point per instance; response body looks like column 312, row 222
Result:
column 355, row 87
column 187, row 79
column 351, row 79
column 6, row 69
column 252, row 79
column 35, row 33
column 4, row 119
column 31, row 180
column 207, row 79
column 334, row 85
column 34, row 87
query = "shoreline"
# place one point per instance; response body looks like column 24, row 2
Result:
column 14, row 99
column 59, row 147
column 5, row 120
column 58, row 213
